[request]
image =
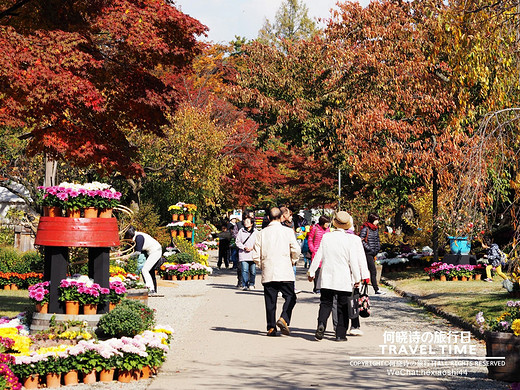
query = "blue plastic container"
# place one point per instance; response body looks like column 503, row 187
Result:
column 460, row 245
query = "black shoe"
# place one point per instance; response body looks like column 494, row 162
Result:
column 284, row 328
column 340, row 338
column 319, row 332
column 271, row 332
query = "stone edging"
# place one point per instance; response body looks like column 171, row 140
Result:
column 436, row 310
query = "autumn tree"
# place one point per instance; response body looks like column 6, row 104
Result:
column 79, row 76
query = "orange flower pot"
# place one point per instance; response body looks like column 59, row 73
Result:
column 14, row 286
column 146, row 372
column 111, row 306
column 31, row 382
column 89, row 377
column 188, row 233
column 478, row 276
column 52, row 211
column 70, row 378
column 126, row 376
column 443, row 278
column 42, row 307
column 73, row 213
column 7, row 287
column 175, row 217
column 89, row 308
column 72, row 307
column 173, row 277
column 180, row 234
column 189, row 217
column 181, row 217
column 454, row 279
column 463, row 278
column 105, row 213
column 90, row 212
column 53, row 379
column 106, row 375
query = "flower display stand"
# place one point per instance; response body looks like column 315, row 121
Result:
column 57, row 234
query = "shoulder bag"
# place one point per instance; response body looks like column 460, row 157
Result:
column 364, row 302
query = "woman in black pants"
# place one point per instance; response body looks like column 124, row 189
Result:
column 370, row 239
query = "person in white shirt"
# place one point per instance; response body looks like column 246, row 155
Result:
column 340, row 255
column 275, row 252
column 146, row 243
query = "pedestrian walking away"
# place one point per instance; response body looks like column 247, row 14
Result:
column 340, row 255
column 275, row 252
column 370, row 238
column 314, row 239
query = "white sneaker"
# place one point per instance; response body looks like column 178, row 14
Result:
column 356, row 332
column 251, row 287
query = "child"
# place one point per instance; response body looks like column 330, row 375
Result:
column 496, row 258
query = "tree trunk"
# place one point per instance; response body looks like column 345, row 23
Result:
column 51, row 167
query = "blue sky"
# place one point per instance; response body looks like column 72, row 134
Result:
column 227, row 18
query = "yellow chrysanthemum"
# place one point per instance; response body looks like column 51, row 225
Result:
column 516, row 327
column 21, row 343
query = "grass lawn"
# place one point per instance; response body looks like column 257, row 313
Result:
column 14, row 302
column 463, row 299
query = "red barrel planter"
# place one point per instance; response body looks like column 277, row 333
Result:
column 77, row 232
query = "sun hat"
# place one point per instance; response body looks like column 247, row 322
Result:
column 342, row 220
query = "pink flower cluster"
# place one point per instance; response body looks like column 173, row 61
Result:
column 64, row 193
column 92, row 293
column 118, row 287
column 39, row 292
column 7, row 374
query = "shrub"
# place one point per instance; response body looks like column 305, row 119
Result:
column 6, row 236
column 34, row 260
column 182, row 258
column 186, row 248
column 127, row 319
column 11, row 261
column 120, row 322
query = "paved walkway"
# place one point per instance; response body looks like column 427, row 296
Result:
column 220, row 343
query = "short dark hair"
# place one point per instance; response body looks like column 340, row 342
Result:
column 372, row 217
column 130, row 232
column 323, row 220
column 274, row 214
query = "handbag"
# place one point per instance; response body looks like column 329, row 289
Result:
column 364, row 302
column 353, row 304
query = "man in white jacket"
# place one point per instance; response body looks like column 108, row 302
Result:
column 275, row 252
column 340, row 255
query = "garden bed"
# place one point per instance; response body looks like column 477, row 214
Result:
column 459, row 299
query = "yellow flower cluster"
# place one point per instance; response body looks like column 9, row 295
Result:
column 503, row 316
column 21, row 343
column 515, row 326
column 174, row 207
column 115, row 271
column 74, row 335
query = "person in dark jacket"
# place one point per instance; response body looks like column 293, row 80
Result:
column 370, row 239
column 224, row 239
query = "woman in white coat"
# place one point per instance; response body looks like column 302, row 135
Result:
column 340, row 255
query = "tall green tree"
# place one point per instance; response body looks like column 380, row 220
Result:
column 292, row 23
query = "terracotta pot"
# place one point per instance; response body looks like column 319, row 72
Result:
column 31, row 382
column 90, row 212
column 181, row 217
column 180, row 234
column 111, row 306
column 105, row 213
column 14, row 286
column 146, row 372
column 454, row 279
column 42, row 307
column 182, row 278
column 106, row 375
column 432, row 278
column 53, row 211
column 173, row 277
column 188, row 233
column 53, row 379
column 89, row 377
column 73, row 213
column 478, row 276
column 90, row 308
column 189, row 217
column 173, row 233
column 7, row 287
column 72, row 307
column 443, row 278
column 70, row 378
column 463, row 278
column 175, row 217
column 126, row 376
column 205, row 276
